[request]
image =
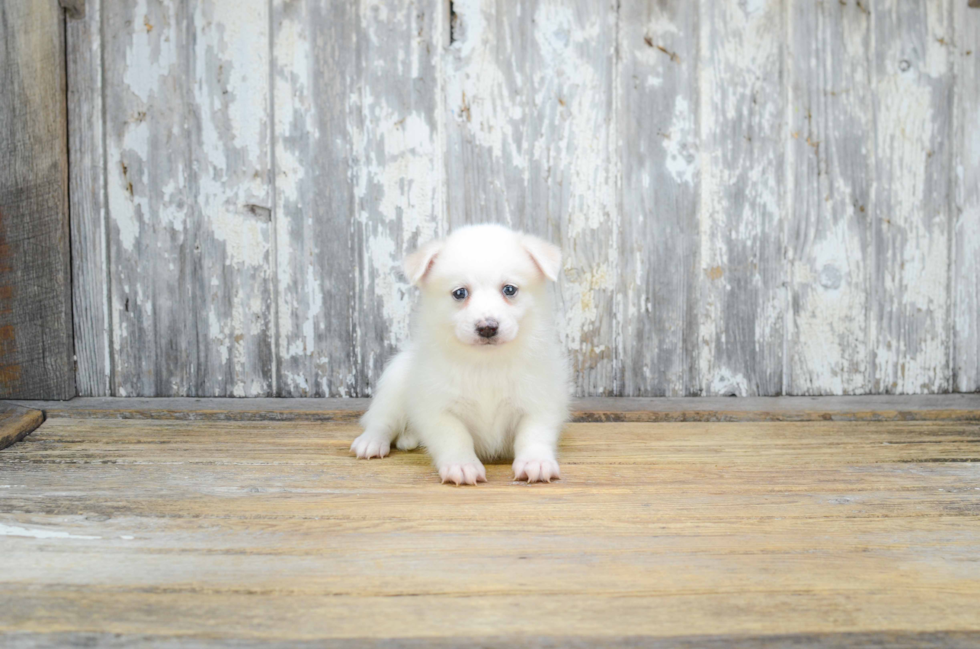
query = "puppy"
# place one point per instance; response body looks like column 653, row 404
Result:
column 484, row 376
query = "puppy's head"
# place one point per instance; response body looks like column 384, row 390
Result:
column 482, row 283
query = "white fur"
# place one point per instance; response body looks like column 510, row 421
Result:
column 464, row 397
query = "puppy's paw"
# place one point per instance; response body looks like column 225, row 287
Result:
column 463, row 473
column 536, row 469
column 407, row 441
column 371, row 444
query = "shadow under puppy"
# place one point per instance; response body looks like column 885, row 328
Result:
column 483, row 376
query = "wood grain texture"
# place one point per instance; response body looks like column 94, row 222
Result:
column 573, row 177
column 831, row 203
column 659, row 275
column 315, row 74
column 487, row 101
column 902, row 640
column 17, row 422
column 531, row 142
column 960, row 407
column 754, row 198
column 86, row 191
column 185, row 530
column 910, row 278
column 743, row 141
column 35, row 261
column 399, row 170
column 965, row 244
column 188, row 161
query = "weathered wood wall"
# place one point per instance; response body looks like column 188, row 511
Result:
column 754, row 196
column 35, row 258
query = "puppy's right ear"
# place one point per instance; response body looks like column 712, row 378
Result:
column 418, row 264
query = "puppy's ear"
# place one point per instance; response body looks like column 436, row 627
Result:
column 546, row 257
column 419, row 263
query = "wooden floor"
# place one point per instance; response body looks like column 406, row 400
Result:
column 160, row 530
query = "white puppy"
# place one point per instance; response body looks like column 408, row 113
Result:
column 484, row 376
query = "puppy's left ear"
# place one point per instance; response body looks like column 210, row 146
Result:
column 419, row 263
column 546, row 257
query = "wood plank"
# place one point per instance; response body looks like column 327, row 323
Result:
column 35, row 261
column 963, row 407
column 86, row 151
column 399, row 172
column 831, row 181
column 965, row 175
column 17, row 422
column 921, row 640
column 660, row 275
column 232, row 163
column 910, row 294
column 314, row 69
column 487, row 99
column 573, row 176
column 748, row 534
column 743, row 141
column 188, row 164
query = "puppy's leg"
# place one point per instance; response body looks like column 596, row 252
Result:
column 534, row 450
column 386, row 417
column 451, row 448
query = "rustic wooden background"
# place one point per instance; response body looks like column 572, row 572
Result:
column 755, row 197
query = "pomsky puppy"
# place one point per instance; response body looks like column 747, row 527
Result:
column 484, row 376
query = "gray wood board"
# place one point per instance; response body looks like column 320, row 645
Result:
column 17, row 422
column 35, row 275
column 965, row 217
column 910, row 289
column 659, row 252
column 831, row 178
column 743, row 137
column 899, row 639
column 188, row 160
column 90, row 260
column 314, row 75
column 763, row 198
column 880, row 407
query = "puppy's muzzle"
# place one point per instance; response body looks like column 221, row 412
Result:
column 487, row 328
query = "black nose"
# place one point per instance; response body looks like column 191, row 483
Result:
column 487, row 328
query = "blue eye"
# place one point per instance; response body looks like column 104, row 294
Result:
column 460, row 294
column 510, row 290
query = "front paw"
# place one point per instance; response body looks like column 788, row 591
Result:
column 371, row 444
column 536, row 469
column 463, row 473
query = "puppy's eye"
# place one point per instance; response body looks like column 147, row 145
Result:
column 460, row 294
column 510, row 290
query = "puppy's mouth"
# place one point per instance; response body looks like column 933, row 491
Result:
column 488, row 342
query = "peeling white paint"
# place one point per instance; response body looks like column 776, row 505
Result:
column 681, row 144
column 39, row 533
column 522, row 124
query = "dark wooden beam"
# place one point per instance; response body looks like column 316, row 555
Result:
column 36, row 348
column 17, row 422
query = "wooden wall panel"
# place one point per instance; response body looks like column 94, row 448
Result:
column 487, row 101
column 90, row 260
column 743, row 140
column 399, row 169
column 910, row 291
column 763, row 197
column 189, row 198
column 314, row 72
column 660, row 272
column 831, row 202
column 965, row 176
column 531, row 142
column 573, row 175
column 36, row 349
